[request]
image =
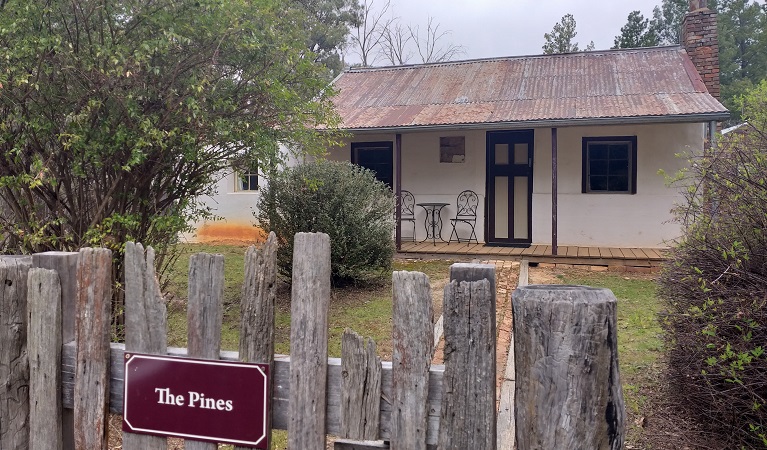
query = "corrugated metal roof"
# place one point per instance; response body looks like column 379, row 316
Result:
column 647, row 83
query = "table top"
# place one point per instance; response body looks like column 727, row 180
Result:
column 432, row 204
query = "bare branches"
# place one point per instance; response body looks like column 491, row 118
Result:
column 378, row 37
column 367, row 38
column 395, row 44
column 430, row 46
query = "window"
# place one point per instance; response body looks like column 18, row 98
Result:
column 609, row 164
column 452, row 149
column 246, row 180
column 376, row 156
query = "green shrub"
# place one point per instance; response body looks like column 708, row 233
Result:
column 340, row 199
column 715, row 286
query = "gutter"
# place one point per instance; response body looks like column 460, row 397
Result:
column 559, row 123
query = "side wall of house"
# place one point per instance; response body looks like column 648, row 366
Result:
column 616, row 220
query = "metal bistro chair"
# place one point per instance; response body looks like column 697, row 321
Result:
column 467, row 204
column 407, row 209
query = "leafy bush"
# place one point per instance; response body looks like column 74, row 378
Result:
column 340, row 199
column 715, row 286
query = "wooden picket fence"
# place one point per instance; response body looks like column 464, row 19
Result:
column 62, row 376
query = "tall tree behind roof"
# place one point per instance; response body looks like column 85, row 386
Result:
column 328, row 24
column 637, row 33
column 562, row 37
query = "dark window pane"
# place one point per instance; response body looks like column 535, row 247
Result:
column 619, row 167
column 598, row 183
column 619, row 151
column 598, row 151
column 598, row 167
column 619, row 183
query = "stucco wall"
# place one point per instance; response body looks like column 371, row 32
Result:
column 432, row 181
column 623, row 220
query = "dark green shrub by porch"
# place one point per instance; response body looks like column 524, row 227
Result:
column 715, row 287
column 340, row 199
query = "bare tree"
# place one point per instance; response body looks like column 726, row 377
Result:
column 368, row 37
column 395, row 44
column 430, row 46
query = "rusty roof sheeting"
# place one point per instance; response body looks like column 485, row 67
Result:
column 635, row 83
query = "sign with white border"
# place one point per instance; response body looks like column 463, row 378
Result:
column 206, row 400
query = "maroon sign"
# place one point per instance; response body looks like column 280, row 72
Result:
column 205, row 400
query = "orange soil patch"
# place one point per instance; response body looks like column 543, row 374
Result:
column 232, row 232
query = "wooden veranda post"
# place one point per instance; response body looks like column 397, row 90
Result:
column 145, row 323
column 309, row 341
column 44, row 346
column 411, row 359
column 92, row 331
column 468, row 400
column 14, row 365
column 567, row 337
column 204, row 315
column 257, row 310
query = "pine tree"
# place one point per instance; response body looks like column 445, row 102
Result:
column 560, row 40
column 637, row 33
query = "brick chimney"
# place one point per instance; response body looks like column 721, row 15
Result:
column 699, row 38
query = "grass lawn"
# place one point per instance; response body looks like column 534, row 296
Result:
column 640, row 344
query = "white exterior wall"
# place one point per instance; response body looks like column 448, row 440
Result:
column 432, row 181
column 614, row 220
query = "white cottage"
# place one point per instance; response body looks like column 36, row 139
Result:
column 560, row 150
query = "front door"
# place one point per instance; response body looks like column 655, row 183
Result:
column 510, row 187
column 376, row 156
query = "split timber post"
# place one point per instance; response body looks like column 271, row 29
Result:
column 468, row 401
column 568, row 390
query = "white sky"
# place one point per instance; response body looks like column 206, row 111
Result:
column 490, row 28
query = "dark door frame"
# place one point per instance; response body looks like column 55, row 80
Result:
column 510, row 170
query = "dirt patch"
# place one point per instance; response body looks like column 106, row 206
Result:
column 230, row 233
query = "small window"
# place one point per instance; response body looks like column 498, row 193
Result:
column 609, row 164
column 452, row 149
column 246, row 180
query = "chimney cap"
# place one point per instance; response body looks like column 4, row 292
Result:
column 698, row 4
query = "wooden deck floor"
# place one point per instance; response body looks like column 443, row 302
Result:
column 597, row 256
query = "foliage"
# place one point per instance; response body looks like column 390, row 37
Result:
column 667, row 20
column 715, row 285
column 115, row 115
column 637, row 33
column 327, row 23
column 340, row 199
column 742, row 49
column 560, row 40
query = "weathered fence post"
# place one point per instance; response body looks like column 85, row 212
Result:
column 310, row 299
column 468, row 391
column 412, row 339
column 360, row 387
column 14, row 365
column 568, row 390
column 204, row 315
column 257, row 311
column 65, row 264
column 145, row 323
column 92, row 330
column 44, row 348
